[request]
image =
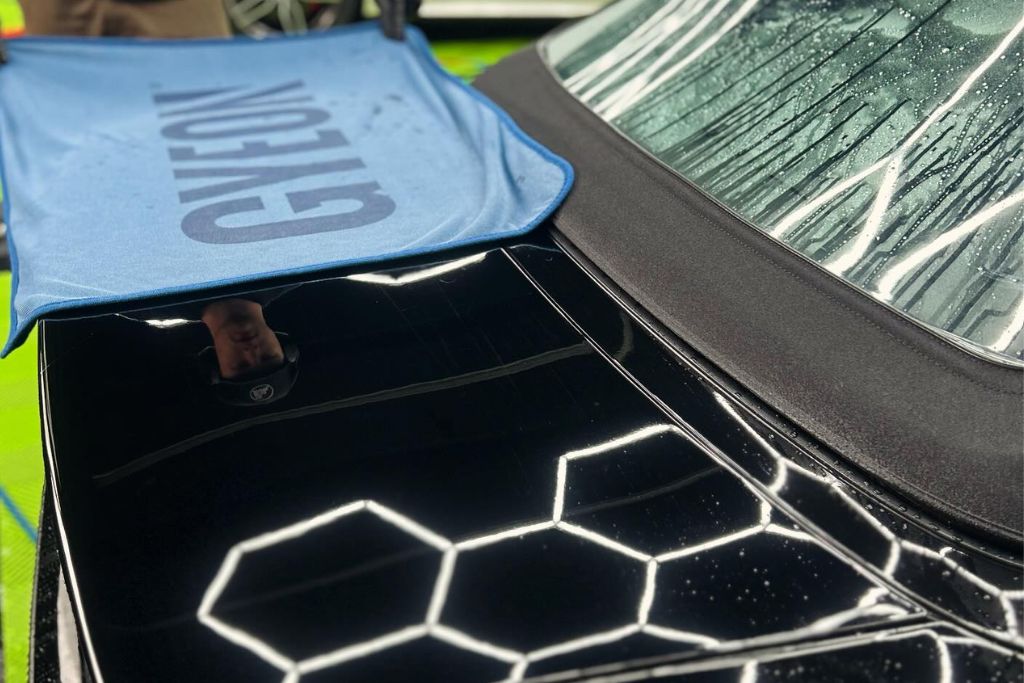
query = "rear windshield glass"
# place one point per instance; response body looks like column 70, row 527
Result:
column 881, row 139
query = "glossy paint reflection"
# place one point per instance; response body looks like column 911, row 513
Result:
column 466, row 483
column 965, row 579
column 920, row 653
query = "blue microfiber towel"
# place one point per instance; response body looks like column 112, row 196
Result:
column 135, row 169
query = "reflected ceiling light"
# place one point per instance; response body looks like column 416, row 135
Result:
column 417, row 275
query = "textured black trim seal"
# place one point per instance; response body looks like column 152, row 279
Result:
column 940, row 425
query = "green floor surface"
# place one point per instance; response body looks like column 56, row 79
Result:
column 21, row 479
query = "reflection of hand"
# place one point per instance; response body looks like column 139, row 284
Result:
column 242, row 338
column 393, row 15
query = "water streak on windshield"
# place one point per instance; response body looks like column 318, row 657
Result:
column 882, row 140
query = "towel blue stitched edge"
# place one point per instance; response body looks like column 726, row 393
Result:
column 134, row 169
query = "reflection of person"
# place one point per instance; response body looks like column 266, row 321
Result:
column 249, row 363
column 141, row 18
column 243, row 340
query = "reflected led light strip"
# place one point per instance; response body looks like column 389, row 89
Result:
column 749, row 664
column 168, row 323
column 645, row 85
column 596, row 76
column 432, row 625
column 919, row 256
column 850, row 255
column 896, row 545
column 417, row 275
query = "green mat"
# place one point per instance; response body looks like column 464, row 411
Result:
column 21, row 480
column 21, row 471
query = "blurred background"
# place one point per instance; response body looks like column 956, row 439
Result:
column 257, row 17
column 467, row 36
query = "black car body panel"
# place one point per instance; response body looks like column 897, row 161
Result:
column 939, row 424
column 491, row 466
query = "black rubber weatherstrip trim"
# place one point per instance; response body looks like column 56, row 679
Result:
column 940, row 425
